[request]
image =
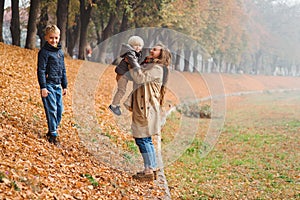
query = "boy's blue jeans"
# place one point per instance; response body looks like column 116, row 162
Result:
column 53, row 107
column 147, row 150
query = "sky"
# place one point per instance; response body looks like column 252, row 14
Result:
column 7, row 3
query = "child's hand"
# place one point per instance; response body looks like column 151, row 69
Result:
column 44, row 92
column 65, row 91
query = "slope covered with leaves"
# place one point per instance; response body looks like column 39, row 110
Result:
column 30, row 167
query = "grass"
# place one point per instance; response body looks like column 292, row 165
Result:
column 173, row 123
column 255, row 158
column 91, row 179
column 12, row 183
column 1, row 177
column 132, row 147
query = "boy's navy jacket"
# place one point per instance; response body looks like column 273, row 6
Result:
column 51, row 66
column 127, row 52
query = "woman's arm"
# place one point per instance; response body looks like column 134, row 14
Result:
column 141, row 76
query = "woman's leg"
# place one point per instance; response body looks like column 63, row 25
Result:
column 147, row 150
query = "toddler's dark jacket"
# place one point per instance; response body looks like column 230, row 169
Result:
column 51, row 66
column 127, row 52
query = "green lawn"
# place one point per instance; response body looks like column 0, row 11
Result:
column 257, row 155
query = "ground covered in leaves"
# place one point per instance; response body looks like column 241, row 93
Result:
column 31, row 168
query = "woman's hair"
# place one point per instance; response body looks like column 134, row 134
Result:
column 165, row 55
column 165, row 60
column 52, row 29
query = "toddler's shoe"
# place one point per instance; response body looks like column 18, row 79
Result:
column 115, row 109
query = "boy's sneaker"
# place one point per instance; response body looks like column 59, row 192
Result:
column 48, row 136
column 115, row 109
column 53, row 140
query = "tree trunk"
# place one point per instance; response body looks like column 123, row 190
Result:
column 85, row 14
column 177, row 61
column 209, row 65
column 31, row 30
column 202, row 65
column 1, row 19
column 258, row 59
column 73, row 38
column 116, row 45
column 187, row 56
column 15, row 23
column 196, row 64
column 216, row 63
column 42, row 24
column 108, row 31
column 124, row 24
column 62, row 21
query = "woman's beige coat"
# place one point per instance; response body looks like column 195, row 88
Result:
column 145, row 100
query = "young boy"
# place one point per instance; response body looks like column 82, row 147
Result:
column 128, row 52
column 52, row 79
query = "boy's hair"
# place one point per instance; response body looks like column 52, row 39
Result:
column 52, row 29
column 135, row 40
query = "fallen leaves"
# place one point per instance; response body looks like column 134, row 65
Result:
column 32, row 168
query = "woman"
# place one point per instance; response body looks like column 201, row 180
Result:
column 145, row 103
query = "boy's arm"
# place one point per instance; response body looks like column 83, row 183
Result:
column 64, row 82
column 41, row 73
column 41, row 69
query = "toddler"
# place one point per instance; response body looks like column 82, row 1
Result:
column 129, row 51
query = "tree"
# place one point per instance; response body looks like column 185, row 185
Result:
column 108, row 30
column 73, row 35
column 125, row 22
column 274, row 37
column 73, row 27
column 187, row 55
column 31, row 28
column 62, row 20
column 216, row 25
column 43, row 20
column 1, row 19
column 85, row 15
column 114, row 16
column 15, row 23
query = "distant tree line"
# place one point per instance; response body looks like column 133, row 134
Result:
column 233, row 36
